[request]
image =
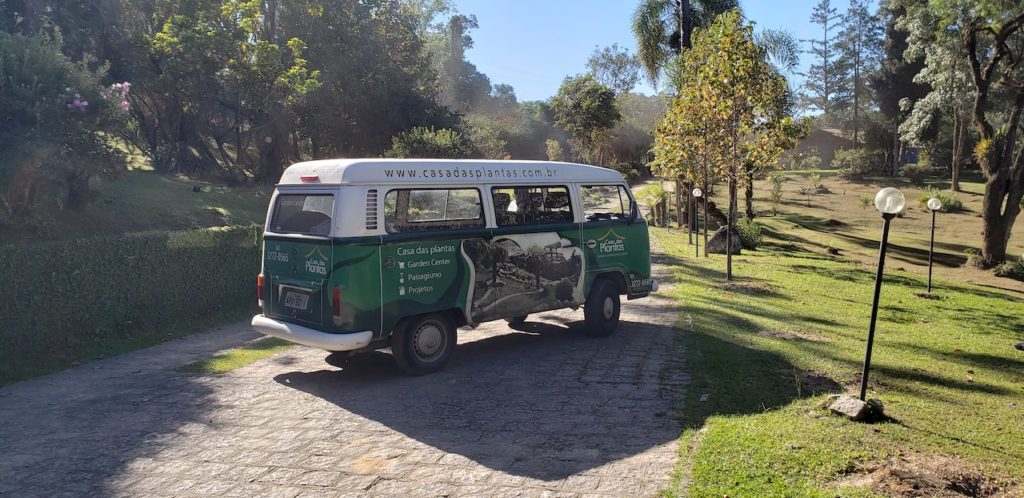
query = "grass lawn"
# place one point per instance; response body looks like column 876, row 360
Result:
column 238, row 357
column 765, row 352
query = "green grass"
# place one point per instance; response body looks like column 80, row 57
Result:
column 946, row 370
column 238, row 357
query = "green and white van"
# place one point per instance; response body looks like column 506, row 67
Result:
column 365, row 254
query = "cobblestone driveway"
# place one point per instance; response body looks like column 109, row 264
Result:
column 539, row 411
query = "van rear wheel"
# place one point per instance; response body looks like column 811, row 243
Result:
column 423, row 344
column 601, row 311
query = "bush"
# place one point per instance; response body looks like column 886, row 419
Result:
column 858, row 163
column 750, row 233
column 916, row 172
column 428, row 143
column 974, row 259
column 82, row 299
column 950, row 202
column 1011, row 269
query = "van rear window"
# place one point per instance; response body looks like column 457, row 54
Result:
column 307, row 214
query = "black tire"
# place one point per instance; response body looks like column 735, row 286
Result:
column 516, row 320
column 601, row 311
column 423, row 344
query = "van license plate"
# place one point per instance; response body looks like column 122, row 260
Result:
column 296, row 300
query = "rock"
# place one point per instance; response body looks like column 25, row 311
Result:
column 1019, row 346
column 718, row 241
column 857, row 410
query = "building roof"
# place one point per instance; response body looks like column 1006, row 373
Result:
column 442, row 171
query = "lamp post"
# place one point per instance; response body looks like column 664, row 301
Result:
column 889, row 201
column 934, row 205
column 697, row 192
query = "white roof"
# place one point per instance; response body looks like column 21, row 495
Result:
column 442, row 171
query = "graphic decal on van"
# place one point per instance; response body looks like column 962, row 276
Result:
column 316, row 261
column 609, row 244
column 523, row 273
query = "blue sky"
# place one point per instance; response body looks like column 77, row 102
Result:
column 533, row 44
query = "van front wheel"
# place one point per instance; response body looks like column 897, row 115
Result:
column 601, row 311
column 423, row 344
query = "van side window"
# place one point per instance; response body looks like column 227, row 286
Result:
column 408, row 210
column 604, row 202
column 531, row 205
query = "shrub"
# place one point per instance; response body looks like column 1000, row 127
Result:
column 776, row 193
column 428, row 143
column 80, row 299
column 916, row 172
column 950, row 202
column 1011, row 269
column 750, row 233
column 974, row 258
column 858, row 163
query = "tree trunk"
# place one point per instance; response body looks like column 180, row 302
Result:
column 679, row 203
column 959, row 137
column 748, row 197
column 732, row 225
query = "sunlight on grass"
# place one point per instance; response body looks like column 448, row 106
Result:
column 946, row 370
column 239, row 357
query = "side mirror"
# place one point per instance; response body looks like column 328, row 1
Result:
column 634, row 212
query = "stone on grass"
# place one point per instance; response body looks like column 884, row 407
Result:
column 857, row 410
column 1019, row 346
column 718, row 241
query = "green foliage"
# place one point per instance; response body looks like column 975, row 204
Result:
column 974, row 259
column 656, row 24
column 859, row 162
column 81, row 299
column 586, row 110
column 554, row 150
column 775, row 194
column 614, row 67
column 1011, row 269
column 55, row 117
column 238, row 357
column 422, row 142
column 916, row 172
column 950, row 202
column 750, row 233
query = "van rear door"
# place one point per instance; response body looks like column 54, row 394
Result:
column 298, row 257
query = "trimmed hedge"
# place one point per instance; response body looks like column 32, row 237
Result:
column 63, row 302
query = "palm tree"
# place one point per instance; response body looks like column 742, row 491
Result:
column 663, row 28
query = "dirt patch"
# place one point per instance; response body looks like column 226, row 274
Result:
column 927, row 475
column 748, row 287
column 791, row 336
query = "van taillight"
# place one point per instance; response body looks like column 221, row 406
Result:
column 259, row 289
column 336, row 305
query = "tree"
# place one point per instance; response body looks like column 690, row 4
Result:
column 428, row 143
column 586, row 110
column 860, row 45
column 615, row 68
column 894, row 83
column 730, row 110
column 663, row 29
column 992, row 33
column 824, row 87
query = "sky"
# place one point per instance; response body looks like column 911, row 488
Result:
column 534, row 44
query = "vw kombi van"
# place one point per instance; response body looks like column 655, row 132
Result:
column 365, row 254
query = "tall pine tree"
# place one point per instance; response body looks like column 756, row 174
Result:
column 824, row 88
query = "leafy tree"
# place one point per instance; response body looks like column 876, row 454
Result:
column 824, row 88
column 894, row 83
column 428, row 143
column 860, row 45
column 615, row 68
column 587, row 110
column 554, row 150
column 992, row 32
column 730, row 109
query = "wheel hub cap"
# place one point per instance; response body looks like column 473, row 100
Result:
column 429, row 340
column 608, row 308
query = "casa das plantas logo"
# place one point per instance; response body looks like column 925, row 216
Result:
column 316, row 262
column 608, row 244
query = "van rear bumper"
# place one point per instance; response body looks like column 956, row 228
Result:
column 312, row 337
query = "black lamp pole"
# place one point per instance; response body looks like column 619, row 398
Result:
column 886, row 218
column 931, row 251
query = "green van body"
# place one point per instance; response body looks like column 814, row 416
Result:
column 362, row 277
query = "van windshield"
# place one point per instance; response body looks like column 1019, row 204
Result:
column 307, row 214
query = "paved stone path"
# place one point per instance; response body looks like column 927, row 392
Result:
column 539, row 411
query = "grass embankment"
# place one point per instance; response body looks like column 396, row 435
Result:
column 765, row 351
column 238, row 357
